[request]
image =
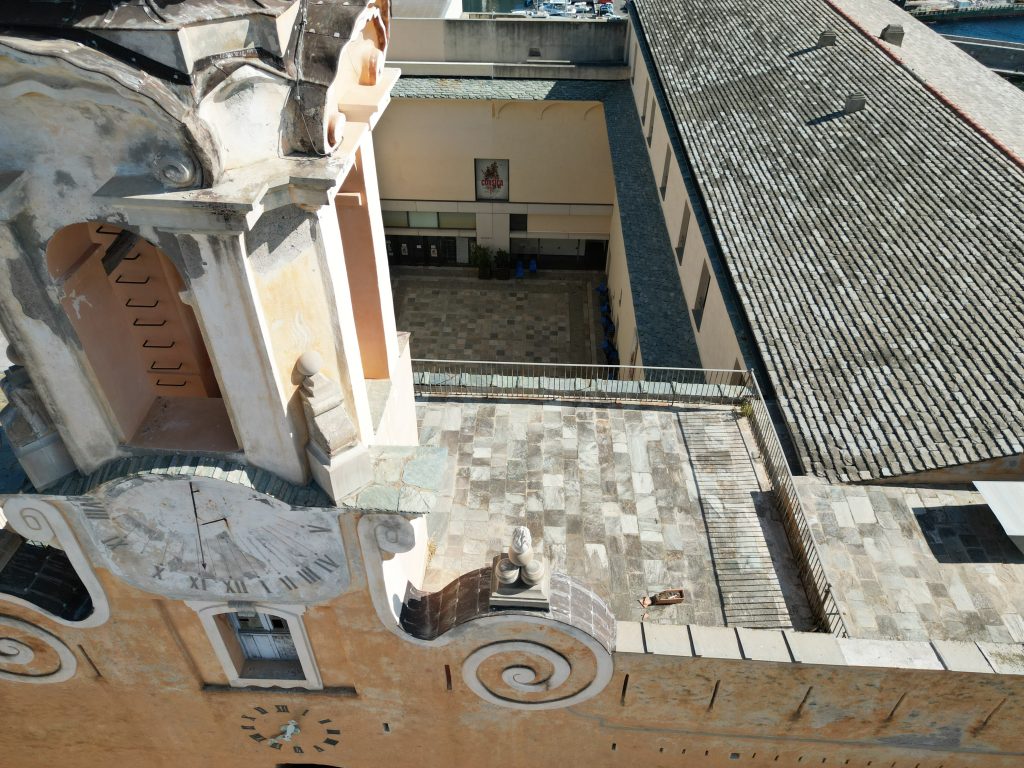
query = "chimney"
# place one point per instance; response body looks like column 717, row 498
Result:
column 826, row 38
column 855, row 102
column 893, row 34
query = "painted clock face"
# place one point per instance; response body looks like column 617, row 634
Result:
column 208, row 539
column 297, row 731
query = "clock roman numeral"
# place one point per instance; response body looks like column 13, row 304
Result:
column 330, row 742
column 281, row 707
column 298, row 750
column 318, row 748
column 248, row 727
column 275, row 745
column 333, row 732
column 257, row 737
column 261, row 710
column 325, row 722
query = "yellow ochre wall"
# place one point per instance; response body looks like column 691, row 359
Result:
column 557, row 150
column 143, row 697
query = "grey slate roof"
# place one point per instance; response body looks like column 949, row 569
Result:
column 666, row 338
column 878, row 256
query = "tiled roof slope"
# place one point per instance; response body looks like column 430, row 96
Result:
column 879, row 256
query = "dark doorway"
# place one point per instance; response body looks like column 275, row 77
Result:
column 420, row 251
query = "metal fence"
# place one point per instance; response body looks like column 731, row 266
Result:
column 665, row 386
column 552, row 381
column 801, row 541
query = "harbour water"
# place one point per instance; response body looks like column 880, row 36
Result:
column 1010, row 30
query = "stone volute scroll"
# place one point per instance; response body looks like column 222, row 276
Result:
column 339, row 462
column 519, row 578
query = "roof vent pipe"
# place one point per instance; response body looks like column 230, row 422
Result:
column 855, row 102
column 893, row 34
column 826, row 38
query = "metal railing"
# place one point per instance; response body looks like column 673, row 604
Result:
column 798, row 531
column 554, row 381
column 665, row 386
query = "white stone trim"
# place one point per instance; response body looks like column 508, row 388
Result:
column 37, row 520
column 208, row 611
column 18, row 653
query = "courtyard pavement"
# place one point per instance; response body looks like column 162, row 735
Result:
column 452, row 315
column 917, row 563
column 628, row 500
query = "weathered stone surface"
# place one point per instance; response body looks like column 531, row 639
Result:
column 888, row 653
column 668, row 639
column 763, row 645
column 715, row 642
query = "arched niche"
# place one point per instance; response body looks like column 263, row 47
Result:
column 123, row 298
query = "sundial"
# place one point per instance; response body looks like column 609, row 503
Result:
column 200, row 538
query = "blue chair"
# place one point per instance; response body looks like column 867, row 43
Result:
column 520, row 272
column 533, row 266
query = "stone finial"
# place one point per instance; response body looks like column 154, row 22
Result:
column 309, row 363
column 339, row 463
column 521, row 551
column 330, row 428
column 518, row 576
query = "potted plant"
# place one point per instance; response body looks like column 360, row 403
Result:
column 480, row 257
column 502, row 264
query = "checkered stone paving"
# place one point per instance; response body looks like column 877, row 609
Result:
column 615, row 498
column 550, row 319
column 917, row 563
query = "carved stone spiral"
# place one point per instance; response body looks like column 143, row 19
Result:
column 42, row 657
column 533, row 674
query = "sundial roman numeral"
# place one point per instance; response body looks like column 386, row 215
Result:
column 94, row 511
column 257, row 737
column 289, row 583
column 326, row 563
column 236, row 586
column 281, row 707
column 317, row 529
column 309, row 575
column 113, row 542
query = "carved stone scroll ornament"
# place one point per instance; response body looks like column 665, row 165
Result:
column 339, row 463
column 394, row 535
column 565, row 668
column 36, row 520
column 29, row 654
column 330, row 427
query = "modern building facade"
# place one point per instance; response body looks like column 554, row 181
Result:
column 239, row 540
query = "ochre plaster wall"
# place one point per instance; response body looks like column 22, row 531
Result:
column 557, row 151
column 145, row 704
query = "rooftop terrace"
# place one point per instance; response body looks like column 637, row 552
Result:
column 634, row 493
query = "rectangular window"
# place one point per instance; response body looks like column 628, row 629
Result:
column 517, row 222
column 664, row 170
column 647, row 96
column 632, row 65
column 456, row 220
column 702, row 296
column 395, row 218
column 650, row 128
column 422, row 220
column 684, row 228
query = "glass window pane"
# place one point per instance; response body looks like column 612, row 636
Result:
column 420, row 220
column 395, row 218
column 517, row 222
column 457, row 220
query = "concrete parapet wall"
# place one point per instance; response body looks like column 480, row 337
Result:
column 508, row 41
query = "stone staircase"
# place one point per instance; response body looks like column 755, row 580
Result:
column 729, row 489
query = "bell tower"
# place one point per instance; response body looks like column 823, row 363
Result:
column 181, row 226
